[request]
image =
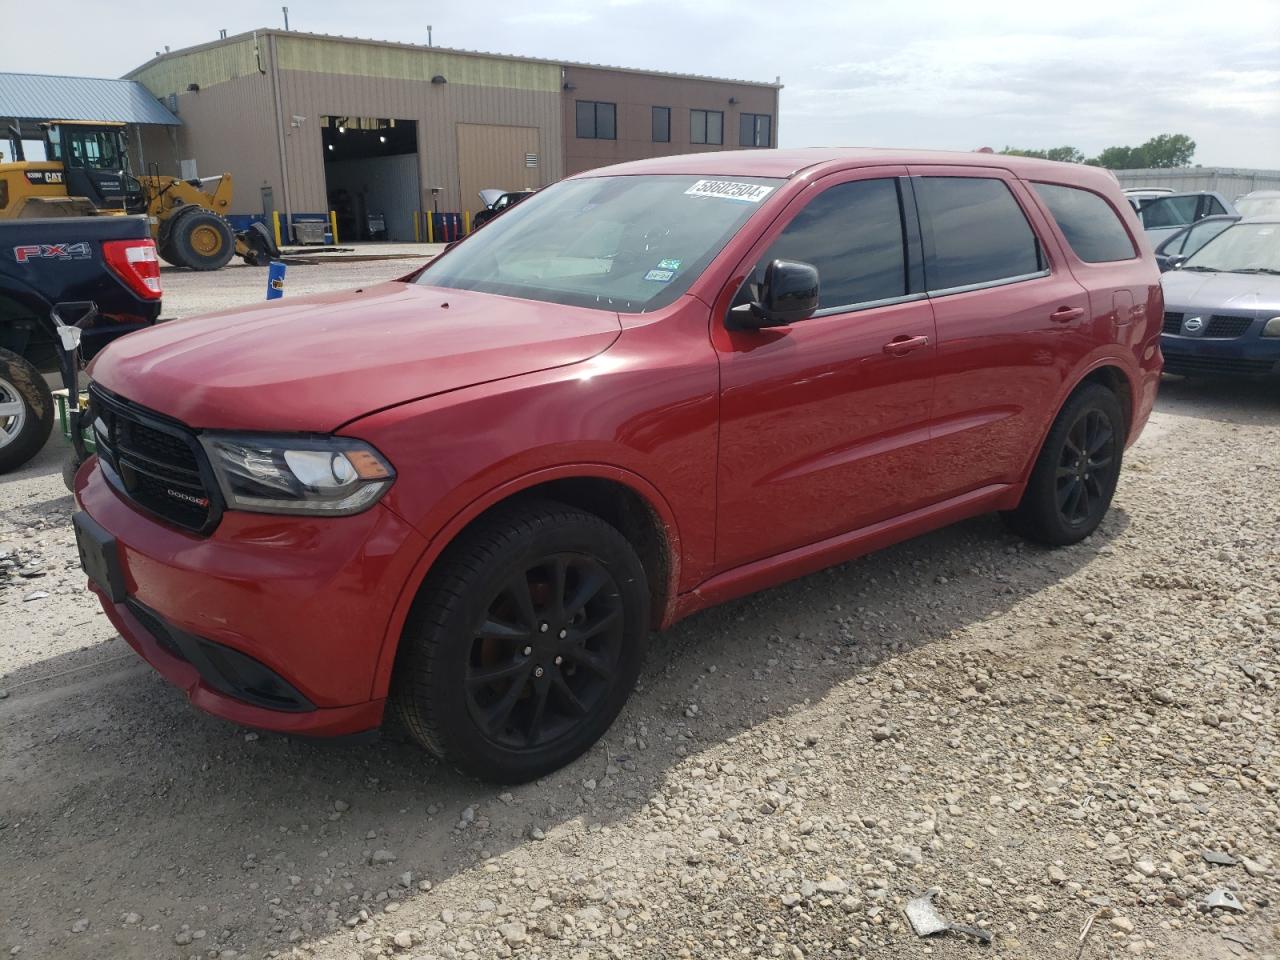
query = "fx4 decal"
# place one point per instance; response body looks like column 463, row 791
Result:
column 52, row 251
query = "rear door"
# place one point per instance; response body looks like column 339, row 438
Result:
column 824, row 424
column 1008, row 313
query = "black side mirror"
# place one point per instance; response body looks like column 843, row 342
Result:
column 1175, row 263
column 788, row 295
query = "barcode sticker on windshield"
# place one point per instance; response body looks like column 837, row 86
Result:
column 729, row 190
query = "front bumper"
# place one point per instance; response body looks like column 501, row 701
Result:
column 275, row 622
column 1250, row 355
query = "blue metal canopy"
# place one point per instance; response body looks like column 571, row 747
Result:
column 36, row 96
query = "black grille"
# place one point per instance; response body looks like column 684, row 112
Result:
column 1217, row 366
column 1227, row 328
column 155, row 462
column 1172, row 322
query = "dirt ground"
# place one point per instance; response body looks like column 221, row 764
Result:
column 1074, row 746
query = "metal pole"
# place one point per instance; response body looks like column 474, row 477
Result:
column 286, row 17
column 284, row 165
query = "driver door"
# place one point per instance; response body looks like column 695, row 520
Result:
column 824, row 425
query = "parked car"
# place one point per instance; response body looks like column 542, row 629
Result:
column 1163, row 216
column 496, row 201
column 1222, row 304
column 465, row 497
column 1191, row 238
column 1259, row 203
column 110, row 261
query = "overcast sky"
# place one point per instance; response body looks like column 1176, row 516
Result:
column 954, row 74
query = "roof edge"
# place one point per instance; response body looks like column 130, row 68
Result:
column 455, row 51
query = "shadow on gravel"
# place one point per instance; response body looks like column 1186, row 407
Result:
column 1237, row 401
column 118, row 797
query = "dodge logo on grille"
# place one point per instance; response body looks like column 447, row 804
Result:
column 179, row 495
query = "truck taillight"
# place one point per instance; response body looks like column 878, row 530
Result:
column 135, row 262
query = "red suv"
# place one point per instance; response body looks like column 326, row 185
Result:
column 466, row 496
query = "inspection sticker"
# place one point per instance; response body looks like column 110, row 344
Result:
column 669, row 264
column 662, row 276
column 729, row 190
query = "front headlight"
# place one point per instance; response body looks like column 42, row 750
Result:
column 1272, row 328
column 333, row 476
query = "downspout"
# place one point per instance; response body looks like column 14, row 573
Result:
column 284, row 173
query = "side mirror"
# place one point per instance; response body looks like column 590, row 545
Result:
column 1175, row 263
column 788, row 295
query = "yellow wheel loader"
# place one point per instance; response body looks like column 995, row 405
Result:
column 86, row 173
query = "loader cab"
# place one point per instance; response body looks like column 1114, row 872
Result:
column 95, row 163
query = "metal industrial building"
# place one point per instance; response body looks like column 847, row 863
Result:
column 379, row 131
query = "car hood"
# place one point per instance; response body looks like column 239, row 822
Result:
column 314, row 363
column 490, row 197
column 1240, row 294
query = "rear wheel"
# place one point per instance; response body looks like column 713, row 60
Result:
column 202, row 241
column 524, row 644
column 26, row 411
column 1075, row 475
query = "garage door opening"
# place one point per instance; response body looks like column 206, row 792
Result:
column 371, row 176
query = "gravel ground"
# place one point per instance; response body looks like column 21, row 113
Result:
column 1060, row 741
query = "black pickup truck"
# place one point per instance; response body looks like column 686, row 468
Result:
column 108, row 262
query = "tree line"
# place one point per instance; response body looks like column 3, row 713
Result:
column 1166, row 150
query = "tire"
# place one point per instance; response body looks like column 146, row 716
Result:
column 487, row 642
column 70, row 467
column 1075, row 475
column 26, row 411
column 202, row 240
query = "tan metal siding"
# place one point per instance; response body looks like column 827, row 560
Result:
column 335, row 56
column 436, row 108
column 207, row 67
column 490, row 155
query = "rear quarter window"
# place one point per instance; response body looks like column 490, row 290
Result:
column 1088, row 222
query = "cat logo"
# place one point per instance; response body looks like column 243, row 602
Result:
column 44, row 176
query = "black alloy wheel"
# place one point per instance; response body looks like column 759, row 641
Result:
column 524, row 642
column 546, row 653
column 1086, row 467
column 1075, row 474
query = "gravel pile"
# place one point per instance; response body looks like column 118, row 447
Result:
column 1079, row 749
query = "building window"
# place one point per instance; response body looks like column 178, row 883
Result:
column 661, row 124
column 597, row 121
column 706, row 126
column 755, row 130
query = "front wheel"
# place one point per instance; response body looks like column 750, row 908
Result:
column 26, row 411
column 524, row 643
column 201, row 240
column 1075, row 475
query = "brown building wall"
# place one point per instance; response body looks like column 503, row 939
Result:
column 636, row 94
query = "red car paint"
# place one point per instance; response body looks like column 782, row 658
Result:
column 764, row 455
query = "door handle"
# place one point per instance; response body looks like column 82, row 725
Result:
column 901, row 346
column 1066, row 314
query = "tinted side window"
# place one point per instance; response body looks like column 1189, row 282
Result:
column 853, row 234
column 1090, row 225
column 979, row 232
column 1213, row 208
column 1168, row 212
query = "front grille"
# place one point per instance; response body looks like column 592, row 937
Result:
column 1216, row 327
column 1188, row 363
column 156, row 462
column 1227, row 328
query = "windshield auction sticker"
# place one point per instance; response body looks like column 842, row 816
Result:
column 729, row 190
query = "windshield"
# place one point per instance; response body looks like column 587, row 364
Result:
column 1258, row 206
column 1243, row 248
column 629, row 244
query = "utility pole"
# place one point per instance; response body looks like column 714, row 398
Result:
column 286, row 17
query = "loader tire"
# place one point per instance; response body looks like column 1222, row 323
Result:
column 202, row 240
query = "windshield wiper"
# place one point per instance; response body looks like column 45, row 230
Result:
column 1270, row 270
column 1198, row 269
